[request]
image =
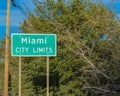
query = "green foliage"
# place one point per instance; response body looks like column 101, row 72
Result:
column 85, row 64
column 83, row 60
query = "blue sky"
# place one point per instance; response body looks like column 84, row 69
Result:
column 17, row 17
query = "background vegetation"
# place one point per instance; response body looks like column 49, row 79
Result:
column 86, row 64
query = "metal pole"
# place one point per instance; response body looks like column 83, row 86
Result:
column 47, row 76
column 19, row 76
column 7, row 50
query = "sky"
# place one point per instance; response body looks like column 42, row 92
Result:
column 17, row 17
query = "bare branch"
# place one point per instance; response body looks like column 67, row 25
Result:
column 88, row 61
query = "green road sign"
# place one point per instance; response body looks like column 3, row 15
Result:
column 33, row 45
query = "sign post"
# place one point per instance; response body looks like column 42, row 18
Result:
column 19, row 76
column 47, row 82
column 33, row 45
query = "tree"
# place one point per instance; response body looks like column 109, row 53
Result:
column 85, row 65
